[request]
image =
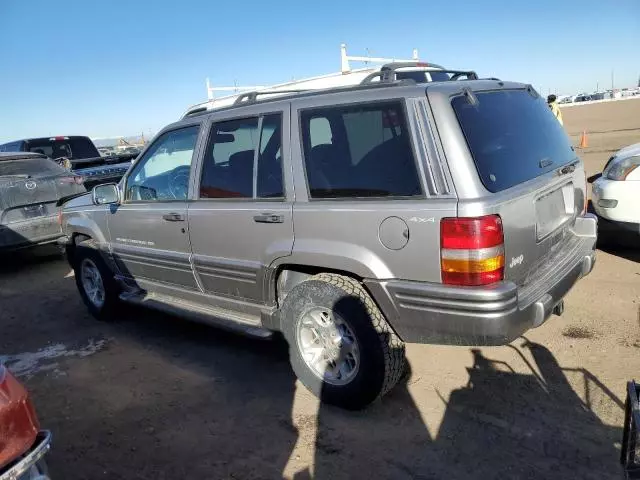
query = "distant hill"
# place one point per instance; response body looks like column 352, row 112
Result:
column 113, row 141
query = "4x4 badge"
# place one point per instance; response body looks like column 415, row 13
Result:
column 422, row 219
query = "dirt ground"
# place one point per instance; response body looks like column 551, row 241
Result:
column 153, row 397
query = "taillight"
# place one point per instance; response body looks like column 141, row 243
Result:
column 472, row 250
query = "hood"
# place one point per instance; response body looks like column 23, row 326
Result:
column 82, row 200
column 630, row 151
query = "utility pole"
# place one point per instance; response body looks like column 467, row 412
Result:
column 597, row 87
column 612, row 82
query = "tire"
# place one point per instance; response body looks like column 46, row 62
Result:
column 378, row 355
column 85, row 256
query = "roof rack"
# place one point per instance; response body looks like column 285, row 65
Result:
column 345, row 59
column 385, row 70
column 387, row 73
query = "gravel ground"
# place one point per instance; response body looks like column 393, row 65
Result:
column 150, row 396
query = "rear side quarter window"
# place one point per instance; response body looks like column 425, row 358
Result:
column 353, row 151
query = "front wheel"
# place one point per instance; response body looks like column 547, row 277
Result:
column 95, row 282
column 341, row 346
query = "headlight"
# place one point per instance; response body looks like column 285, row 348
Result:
column 619, row 170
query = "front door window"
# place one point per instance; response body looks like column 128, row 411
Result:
column 163, row 173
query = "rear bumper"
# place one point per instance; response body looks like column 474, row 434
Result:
column 35, row 231
column 492, row 315
column 31, row 466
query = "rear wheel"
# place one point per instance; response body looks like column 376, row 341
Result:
column 341, row 346
column 95, row 282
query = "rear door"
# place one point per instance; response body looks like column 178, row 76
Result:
column 528, row 173
column 241, row 218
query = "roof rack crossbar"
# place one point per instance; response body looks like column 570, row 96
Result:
column 387, row 73
column 250, row 97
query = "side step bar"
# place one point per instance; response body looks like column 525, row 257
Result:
column 217, row 317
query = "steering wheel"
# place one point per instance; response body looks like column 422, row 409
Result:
column 179, row 182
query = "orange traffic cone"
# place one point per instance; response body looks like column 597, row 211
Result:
column 583, row 140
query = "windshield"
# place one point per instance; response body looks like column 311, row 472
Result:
column 513, row 137
column 73, row 148
column 30, row 167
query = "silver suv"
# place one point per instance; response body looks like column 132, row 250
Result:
column 351, row 220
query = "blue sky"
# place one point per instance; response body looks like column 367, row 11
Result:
column 111, row 67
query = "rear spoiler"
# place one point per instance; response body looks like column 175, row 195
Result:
column 65, row 199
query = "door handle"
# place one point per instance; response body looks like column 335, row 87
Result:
column 268, row 218
column 173, row 217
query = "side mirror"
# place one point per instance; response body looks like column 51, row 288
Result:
column 105, row 194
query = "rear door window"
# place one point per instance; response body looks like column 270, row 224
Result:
column 11, row 147
column 73, row 148
column 243, row 159
column 513, row 137
column 227, row 171
column 29, row 167
column 359, row 151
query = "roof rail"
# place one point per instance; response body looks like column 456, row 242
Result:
column 250, row 97
column 195, row 110
column 387, row 73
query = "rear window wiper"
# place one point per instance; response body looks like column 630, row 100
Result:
column 16, row 175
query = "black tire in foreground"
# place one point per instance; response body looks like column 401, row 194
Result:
column 376, row 358
column 95, row 282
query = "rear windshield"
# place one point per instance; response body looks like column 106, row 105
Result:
column 71, row 148
column 513, row 137
column 32, row 167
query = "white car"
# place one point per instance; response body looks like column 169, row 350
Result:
column 616, row 194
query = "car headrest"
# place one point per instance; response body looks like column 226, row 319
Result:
column 241, row 160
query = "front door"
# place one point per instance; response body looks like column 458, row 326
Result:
column 149, row 230
column 241, row 218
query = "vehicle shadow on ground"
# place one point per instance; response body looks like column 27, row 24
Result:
column 15, row 261
column 505, row 424
column 627, row 253
column 198, row 402
column 615, row 240
column 191, row 401
column 502, row 424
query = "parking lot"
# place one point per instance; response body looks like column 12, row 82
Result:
column 152, row 396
